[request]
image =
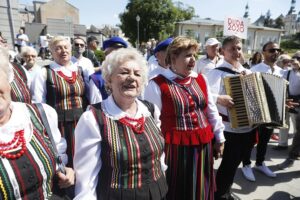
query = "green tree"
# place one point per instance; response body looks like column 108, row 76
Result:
column 157, row 19
column 100, row 55
column 279, row 23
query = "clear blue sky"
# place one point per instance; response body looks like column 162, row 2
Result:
column 100, row 12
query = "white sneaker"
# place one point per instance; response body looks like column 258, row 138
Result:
column 264, row 169
column 248, row 173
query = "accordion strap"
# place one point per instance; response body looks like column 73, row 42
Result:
column 225, row 69
column 59, row 162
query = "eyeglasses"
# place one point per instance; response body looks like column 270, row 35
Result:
column 78, row 45
column 273, row 50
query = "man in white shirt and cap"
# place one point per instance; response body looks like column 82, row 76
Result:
column 212, row 57
column 160, row 53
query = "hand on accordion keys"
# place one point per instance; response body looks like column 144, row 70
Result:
column 225, row 100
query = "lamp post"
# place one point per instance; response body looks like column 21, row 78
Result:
column 138, row 31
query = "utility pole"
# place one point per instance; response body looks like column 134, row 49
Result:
column 138, row 31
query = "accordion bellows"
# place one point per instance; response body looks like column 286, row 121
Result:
column 259, row 98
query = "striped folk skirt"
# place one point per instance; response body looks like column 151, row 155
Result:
column 190, row 173
column 67, row 131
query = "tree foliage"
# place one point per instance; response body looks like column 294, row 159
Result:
column 292, row 43
column 157, row 18
column 100, row 55
column 279, row 23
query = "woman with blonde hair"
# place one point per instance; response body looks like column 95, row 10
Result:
column 61, row 85
column 189, row 122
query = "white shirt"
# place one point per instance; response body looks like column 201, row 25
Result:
column 87, row 162
column 20, row 119
column 204, row 64
column 157, row 71
column 44, row 41
column 95, row 94
column 215, row 80
column 262, row 67
column 24, row 38
column 38, row 87
column 294, row 82
column 87, row 67
column 153, row 94
column 31, row 73
column 152, row 64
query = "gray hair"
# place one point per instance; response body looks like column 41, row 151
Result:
column 5, row 65
column 27, row 49
column 116, row 58
column 57, row 39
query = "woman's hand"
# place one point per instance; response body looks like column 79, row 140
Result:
column 66, row 180
column 218, row 150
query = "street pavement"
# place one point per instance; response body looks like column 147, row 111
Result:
column 285, row 186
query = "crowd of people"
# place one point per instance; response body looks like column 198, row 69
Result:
column 134, row 127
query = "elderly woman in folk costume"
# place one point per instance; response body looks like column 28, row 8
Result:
column 27, row 158
column 118, row 144
column 61, row 85
column 189, row 122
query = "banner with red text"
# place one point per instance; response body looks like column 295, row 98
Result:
column 235, row 26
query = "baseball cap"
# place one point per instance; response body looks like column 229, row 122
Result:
column 114, row 41
column 212, row 41
column 163, row 45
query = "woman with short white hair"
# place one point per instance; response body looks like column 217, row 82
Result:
column 118, row 143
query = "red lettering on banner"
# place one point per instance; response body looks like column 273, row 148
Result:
column 235, row 25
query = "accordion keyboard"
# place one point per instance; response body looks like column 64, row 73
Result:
column 238, row 113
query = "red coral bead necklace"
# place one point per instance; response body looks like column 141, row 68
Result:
column 17, row 141
column 137, row 125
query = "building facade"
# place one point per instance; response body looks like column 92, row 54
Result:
column 10, row 21
column 292, row 20
column 202, row 29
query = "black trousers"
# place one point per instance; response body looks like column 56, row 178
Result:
column 264, row 135
column 237, row 145
column 294, row 152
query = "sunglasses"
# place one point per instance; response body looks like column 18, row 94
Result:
column 79, row 45
column 273, row 50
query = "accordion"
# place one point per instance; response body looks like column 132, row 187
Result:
column 259, row 98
